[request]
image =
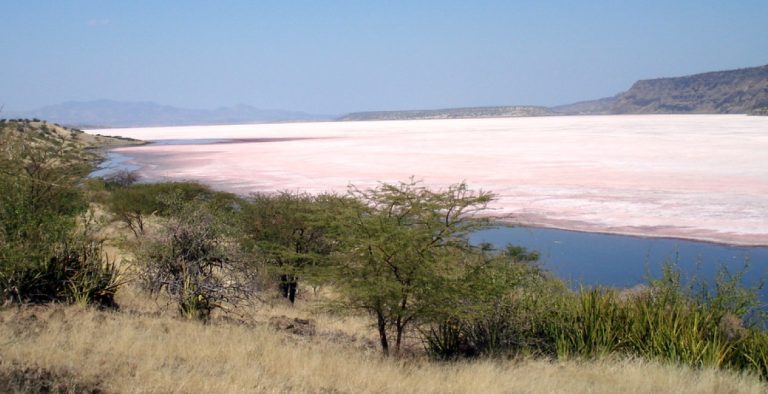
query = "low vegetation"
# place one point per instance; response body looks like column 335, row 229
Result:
column 343, row 278
column 138, row 351
column 192, row 260
column 289, row 233
column 47, row 250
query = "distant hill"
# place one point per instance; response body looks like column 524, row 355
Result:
column 601, row 106
column 724, row 92
column 48, row 136
column 743, row 91
column 451, row 113
column 108, row 113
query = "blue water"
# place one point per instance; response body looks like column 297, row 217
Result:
column 625, row 261
column 113, row 163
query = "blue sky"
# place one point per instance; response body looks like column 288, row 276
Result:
column 333, row 57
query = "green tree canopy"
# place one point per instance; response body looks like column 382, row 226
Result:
column 406, row 258
column 289, row 232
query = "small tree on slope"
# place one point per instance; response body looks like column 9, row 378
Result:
column 405, row 257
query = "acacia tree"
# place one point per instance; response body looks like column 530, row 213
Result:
column 133, row 203
column 405, row 256
column 288, row 231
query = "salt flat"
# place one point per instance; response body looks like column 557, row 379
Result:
column 690, row 176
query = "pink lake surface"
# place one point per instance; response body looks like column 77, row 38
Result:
column 701, row 177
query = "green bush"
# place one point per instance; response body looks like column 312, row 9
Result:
column 693, row 324
column 77, row 273
column 132, row 204
column 676, row 331
column 505, row 319
column 42, row 258
column 447, row 339
column 751, row 354
column 290, row 234
column 591, row 326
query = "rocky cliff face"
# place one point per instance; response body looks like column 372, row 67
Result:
column 743, row 91
column 723, row 92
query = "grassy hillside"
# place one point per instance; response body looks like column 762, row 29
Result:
column 142, row 349
column 44, row 136
column 46, row 253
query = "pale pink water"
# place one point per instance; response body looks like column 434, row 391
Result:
column 690, row 176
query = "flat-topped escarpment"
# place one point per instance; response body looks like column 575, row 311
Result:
column 452, row 113
column 723, row 92
column 742, row 91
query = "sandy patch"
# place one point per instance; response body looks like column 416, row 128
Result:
column 691, row 176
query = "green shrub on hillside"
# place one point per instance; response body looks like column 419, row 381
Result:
column 42, row 259
column 78, row 272
column 133, row 203
column 496, row 322
column 291, row 234
column 668, row 321
column 404, row 258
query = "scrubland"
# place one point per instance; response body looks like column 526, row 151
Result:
column 112, row 286
column 140, row 349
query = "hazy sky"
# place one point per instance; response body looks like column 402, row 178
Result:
column 333, row 57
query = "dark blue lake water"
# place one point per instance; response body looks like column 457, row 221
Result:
column 625, row 261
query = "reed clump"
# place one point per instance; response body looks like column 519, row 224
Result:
column 693, row 324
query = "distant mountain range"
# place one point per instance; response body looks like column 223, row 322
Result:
column 109, row 113
column 743, row 91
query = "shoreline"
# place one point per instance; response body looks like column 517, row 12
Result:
column 693, row 178
column 501, row 220
column 638, row 234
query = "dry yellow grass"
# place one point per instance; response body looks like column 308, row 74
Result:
column 136, row 353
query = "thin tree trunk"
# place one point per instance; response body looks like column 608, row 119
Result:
column 382, row 325
column 400, row 324
column 288, row 286
column 399, row 336
column 292, row 291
